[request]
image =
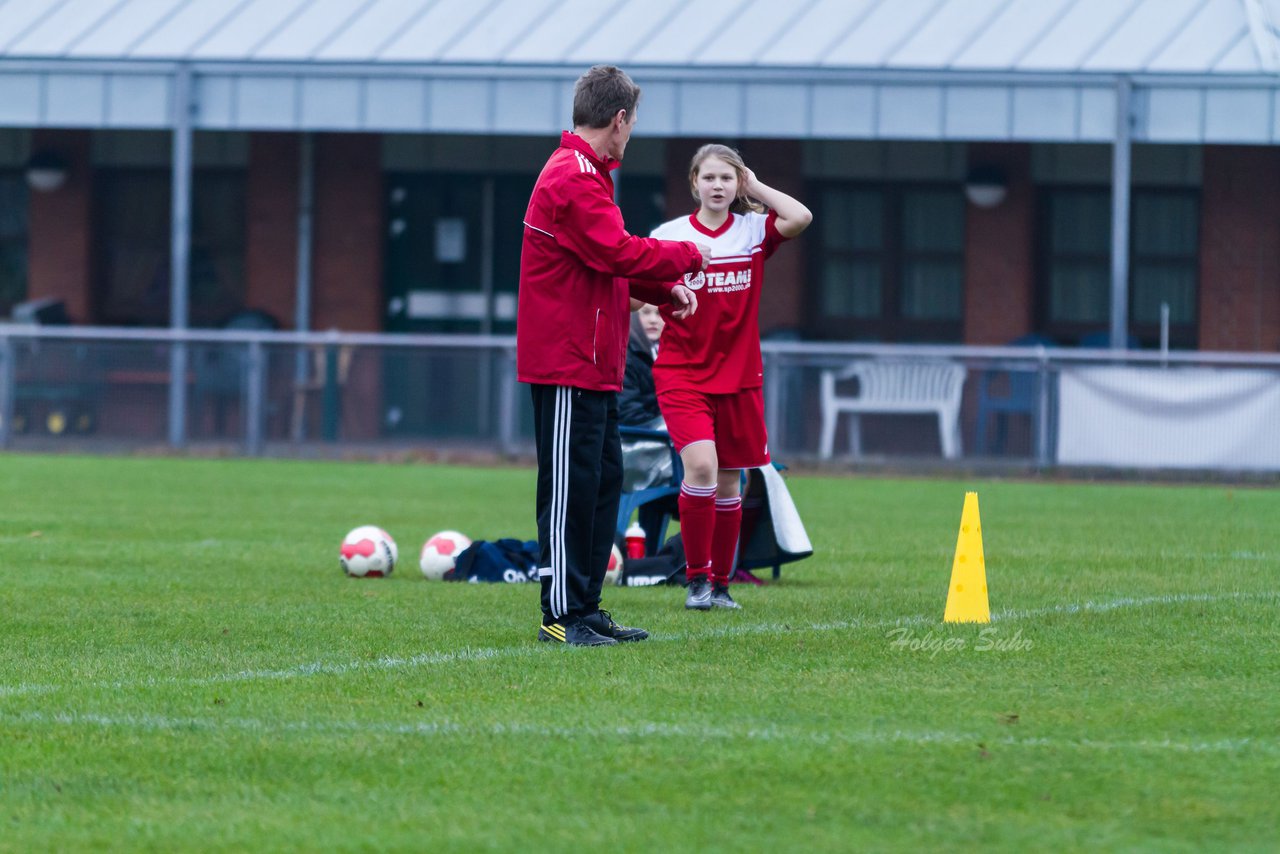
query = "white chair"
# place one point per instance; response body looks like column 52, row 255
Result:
column 893, row 388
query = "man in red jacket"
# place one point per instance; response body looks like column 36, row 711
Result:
column 578, row 269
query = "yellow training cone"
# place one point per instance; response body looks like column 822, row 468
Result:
column 967, row 595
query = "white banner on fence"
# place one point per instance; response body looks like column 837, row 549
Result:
column 1155, row 417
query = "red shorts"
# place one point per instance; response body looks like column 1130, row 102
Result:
column 735, row 422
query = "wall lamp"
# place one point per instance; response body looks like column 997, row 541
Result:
column 46, row 171
column 986, row 186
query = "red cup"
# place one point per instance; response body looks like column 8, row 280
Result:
column 635, row 541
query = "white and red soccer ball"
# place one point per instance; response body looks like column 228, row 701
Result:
column 613, row 574
column 440, row 554
column 368, row 552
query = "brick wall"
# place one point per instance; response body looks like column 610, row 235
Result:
column 347, row 238
column 780, row 164
column 271, row 246
column 60, row 259
column 348, row 242
column 347, row 251
column 999, row 286
column 1240, row 249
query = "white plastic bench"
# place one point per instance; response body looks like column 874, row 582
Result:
column 893, row 388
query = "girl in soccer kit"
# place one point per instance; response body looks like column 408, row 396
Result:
column 709, row 371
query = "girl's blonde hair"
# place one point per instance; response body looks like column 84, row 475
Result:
column 743, row 202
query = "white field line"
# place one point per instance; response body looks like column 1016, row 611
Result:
column 1112, row 552
column 636, row 731
column 320, row 668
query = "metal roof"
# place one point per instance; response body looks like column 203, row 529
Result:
column 1135, row 36
column 985, row 69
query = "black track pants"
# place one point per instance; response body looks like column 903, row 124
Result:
column 579, row 485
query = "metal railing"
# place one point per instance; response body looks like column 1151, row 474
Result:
column 254, row 388
column 260, row 392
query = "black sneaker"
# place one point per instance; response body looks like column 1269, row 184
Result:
column 602, row 622
column 720, row 597
column 574, row 632
column 699, row 598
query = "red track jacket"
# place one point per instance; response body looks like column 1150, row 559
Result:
column 573, row 315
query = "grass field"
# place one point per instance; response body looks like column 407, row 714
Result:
column 184, row 667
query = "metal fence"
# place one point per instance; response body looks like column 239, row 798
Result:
column 276, row 392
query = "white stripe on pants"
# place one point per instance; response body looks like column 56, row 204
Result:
column 560, row 499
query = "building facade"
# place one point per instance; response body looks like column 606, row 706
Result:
column 1079, row 172
column 416, row 232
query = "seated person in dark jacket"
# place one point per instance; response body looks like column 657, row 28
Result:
column 638, row 401
column 645, row 462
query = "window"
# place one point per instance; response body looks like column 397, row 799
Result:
column 435, row 249
column 1165, row 263
column 511, row 197
column 1079, row 267
column 890, row 264
column 13, row 241
column 1075, row 250
column 132, row 231
column 447, row 233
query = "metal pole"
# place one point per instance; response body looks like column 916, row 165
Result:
column 302, row 300
column 773, row 400
column 487, row 241
column 6, row 391
column 253, row 399
column 330, row 404
column 180, row 252
column 1120, row 180
column 507, row 406
column 1164, row 334
column 1042, row 407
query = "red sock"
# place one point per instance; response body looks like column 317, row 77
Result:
column 697, row 524
column 724, row 545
